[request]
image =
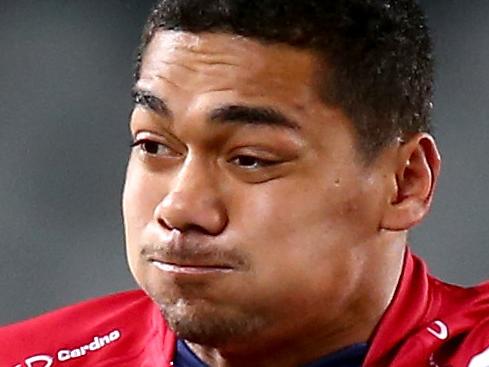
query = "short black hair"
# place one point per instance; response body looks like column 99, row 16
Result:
column 377, row 53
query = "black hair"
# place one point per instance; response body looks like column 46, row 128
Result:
column 377, row 54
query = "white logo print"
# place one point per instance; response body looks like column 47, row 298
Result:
column 481, row 360
column 66, row 354
column 440, row 331
column 29, row 362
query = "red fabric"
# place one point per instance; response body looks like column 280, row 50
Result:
column 429, row 323
column 433, row 324
column 143, row 340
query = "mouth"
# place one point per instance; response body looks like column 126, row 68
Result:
column 192, row 269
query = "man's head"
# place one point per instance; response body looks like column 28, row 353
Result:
column 374, row 56
column 272, row 182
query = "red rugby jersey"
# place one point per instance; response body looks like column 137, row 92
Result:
column 429, row 323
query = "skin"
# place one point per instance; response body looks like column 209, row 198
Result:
column 275, row 242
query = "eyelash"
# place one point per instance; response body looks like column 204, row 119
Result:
column 141, row 142
column 262, row 163
column 258, row 162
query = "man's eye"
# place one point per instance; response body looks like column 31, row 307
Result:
column 151, row 147
column 251, row 162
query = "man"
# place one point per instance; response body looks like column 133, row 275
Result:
column 281, row 153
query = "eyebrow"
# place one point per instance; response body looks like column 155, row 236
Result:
column 239, row 114
column 253, row 115
column 147, row 99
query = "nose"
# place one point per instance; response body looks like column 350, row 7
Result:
column 192, row 201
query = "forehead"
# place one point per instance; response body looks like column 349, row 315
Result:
column 218, row 62
column 224, row 44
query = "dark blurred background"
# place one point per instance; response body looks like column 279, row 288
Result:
column 65, row 77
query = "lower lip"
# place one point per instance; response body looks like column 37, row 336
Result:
column 193, row 270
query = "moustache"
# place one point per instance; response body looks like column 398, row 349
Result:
column 183, row 252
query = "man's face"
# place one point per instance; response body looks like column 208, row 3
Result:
column 246, row 204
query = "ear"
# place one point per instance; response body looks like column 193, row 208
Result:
column 417, row 169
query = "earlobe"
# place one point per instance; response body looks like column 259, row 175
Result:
column 417, row 170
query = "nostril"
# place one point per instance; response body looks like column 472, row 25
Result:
column 164, row 224
column 183, row 227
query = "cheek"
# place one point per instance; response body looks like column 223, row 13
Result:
column 307, row 238
column 300, row 212
column 143, row 191
column 139, row 201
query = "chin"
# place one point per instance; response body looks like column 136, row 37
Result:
column 204, row 324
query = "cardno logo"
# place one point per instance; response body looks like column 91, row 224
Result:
column 63, row 355
column 38, row 361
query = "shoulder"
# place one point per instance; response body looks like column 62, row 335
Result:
column 431, row 322
column 79, row 316
column 456, row 328
column 87, row 331
column 463, row 305
column 465, row 314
